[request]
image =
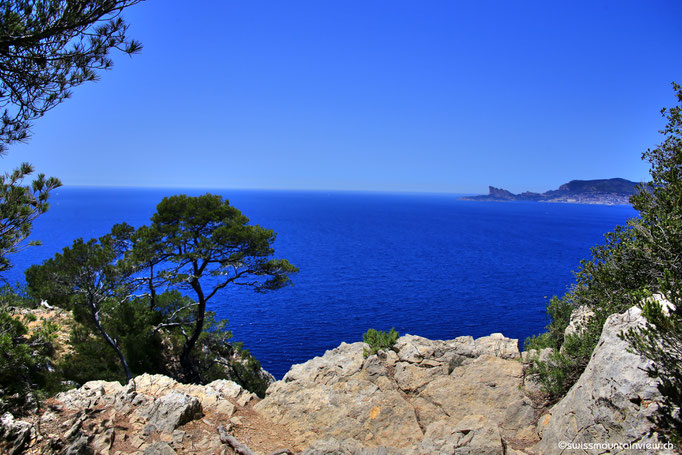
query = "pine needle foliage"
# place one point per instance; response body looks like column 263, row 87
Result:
column 379, row 340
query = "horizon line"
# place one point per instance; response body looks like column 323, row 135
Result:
column 302, row 190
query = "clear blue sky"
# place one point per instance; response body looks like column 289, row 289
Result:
column 393, row 95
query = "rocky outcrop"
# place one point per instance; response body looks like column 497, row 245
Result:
column 152, row 415
column 15, row 435
column 580, row 317
column 422, row 397
column 610, row 403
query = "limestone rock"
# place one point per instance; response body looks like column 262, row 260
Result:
column 159, row 448
column 336, row 364
column 90, row 394
column 487, row 386
column 171, row 410
column 79, row 447
column 579, row 318
column 541, row 355
column 612, row 399
column 14, row 434
column 475, row 435
column 497, row 345
column 143, row 416
column 386, row 401
column 333, row 446
column 215, row 396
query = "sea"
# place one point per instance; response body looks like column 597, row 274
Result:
column 425, row 264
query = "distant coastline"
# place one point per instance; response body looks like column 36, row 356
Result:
column 615, row 191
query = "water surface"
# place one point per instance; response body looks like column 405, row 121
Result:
column 429, row 265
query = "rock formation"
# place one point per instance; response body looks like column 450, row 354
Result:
column 461, row 396
column 611, row 402
column 423, row 397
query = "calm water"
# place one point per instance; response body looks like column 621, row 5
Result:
column 429, row 265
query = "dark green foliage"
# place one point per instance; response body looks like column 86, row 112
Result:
column 132, row 324
column 90, row 359
column 93, row 278
column 563, row 366
column 217, row 358
column 246, row 371
column 49, row 46
column 661, row 341
column 19, row 205
column 660, row 231
column 559, row 311
column 46, row 48
column 128, row 291
column 378, row 340
column 205, row 245
column 606, row 284
column 24, row 356
column 637, row 260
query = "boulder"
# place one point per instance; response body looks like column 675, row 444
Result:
column 579, row 318
column 91, row 394
column 474, row 435
column 489, row 386
column 218, row 396
column 611, row 401
column 171, row 410
column 15, row 435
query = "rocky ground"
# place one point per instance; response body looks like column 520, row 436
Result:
column 460, row 396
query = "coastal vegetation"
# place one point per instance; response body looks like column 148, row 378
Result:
column 636, row 261
column 46, row 49
column 129, row 291
column 139, row 296
column 378, row 340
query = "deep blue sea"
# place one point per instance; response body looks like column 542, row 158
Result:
column 426, row 264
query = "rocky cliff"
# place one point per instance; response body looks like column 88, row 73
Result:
column 461, row 396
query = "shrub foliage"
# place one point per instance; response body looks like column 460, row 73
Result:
column 637, row 260
column 379, row 340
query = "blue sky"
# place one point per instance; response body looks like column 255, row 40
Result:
column 442, row 96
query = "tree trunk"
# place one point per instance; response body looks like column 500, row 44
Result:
column 95, row 318
column 191, row 374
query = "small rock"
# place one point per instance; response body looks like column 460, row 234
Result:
column 579, row 318
column 178, row 436
column 79, row 447
column 148, row 429
column 102, row 443
column 236, row 421
column 159, row 448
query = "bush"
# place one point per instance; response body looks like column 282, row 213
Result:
column 25, row 372
column 637, row 260
column 378, row 340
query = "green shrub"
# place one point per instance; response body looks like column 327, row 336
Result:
column 661, row 341
column 638, row 259
column 378, row 340
column 25, row 371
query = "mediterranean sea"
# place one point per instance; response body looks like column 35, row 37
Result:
column 426, row 264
